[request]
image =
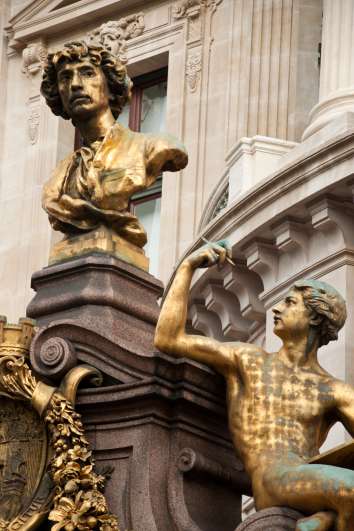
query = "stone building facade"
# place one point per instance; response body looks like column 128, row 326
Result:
column 262, row 94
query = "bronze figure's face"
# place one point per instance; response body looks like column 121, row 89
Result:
column 89, row 71
column 83, row 89
column 292, row 318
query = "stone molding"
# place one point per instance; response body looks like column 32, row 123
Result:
column 44, row 18
column 192, row 8
column 114, row 34
column 252, row 159
column 248, row 162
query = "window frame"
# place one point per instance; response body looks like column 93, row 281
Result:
column 139, row 84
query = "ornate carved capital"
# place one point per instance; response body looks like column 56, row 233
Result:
column 115, row 33
column 192, row 8
column 34, row 56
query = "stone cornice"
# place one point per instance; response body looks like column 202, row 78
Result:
column 36, row 21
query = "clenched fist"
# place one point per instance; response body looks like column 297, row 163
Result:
column 209, row 255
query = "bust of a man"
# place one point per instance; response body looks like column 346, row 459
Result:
column 92, row 187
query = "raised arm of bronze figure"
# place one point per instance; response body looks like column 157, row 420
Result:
column 171, row 336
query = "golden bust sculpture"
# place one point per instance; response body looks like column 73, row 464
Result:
column 281, row 405
column 92, row 187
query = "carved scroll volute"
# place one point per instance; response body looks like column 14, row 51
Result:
column 52, row 357
column 190, row 463
column 72, row 493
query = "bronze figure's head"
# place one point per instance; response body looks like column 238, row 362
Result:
column 81, row 79
column 312, row 307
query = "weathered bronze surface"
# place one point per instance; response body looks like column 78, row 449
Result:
column 93, row 185
column 281, row 405
column 37, row 478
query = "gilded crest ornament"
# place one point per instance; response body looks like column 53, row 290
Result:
column 46, row 465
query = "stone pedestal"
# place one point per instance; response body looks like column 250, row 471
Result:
column 157, row 422
column 273, row 519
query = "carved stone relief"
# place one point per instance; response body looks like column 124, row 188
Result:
column 115, row 33
column 193, row 70
column 34, row 56
column 33, row 124
column 192, row 8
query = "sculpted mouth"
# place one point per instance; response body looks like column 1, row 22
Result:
column 276, row 320
column 82, row 98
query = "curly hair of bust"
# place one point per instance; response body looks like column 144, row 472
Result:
column 118, row 81
column 325, row 302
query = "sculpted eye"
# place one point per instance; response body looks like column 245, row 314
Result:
column 289, row 301
column 64, row 77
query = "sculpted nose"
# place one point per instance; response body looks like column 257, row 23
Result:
column 76, row 81
column 276, row 310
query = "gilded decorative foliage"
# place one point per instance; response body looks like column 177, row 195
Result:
column 78, row 502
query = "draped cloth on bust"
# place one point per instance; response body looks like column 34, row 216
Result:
column 93, row 186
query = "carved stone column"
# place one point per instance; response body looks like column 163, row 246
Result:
column 272, row 44
column 337, row 65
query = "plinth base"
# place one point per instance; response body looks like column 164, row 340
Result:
column 159, row 424
column 101, row 240
column 273, row 519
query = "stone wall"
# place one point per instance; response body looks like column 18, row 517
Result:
column 236, row 69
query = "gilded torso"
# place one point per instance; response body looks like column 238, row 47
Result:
column 94, row 184
column 276, row 411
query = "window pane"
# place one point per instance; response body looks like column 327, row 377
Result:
column 153, row 111
column 148, row 213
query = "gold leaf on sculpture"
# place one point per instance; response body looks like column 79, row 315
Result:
column 70, row 493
